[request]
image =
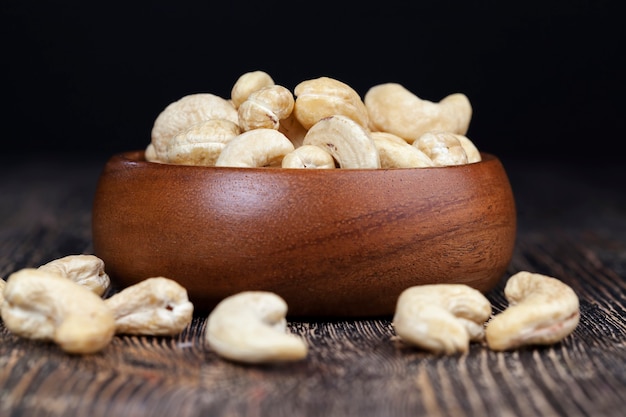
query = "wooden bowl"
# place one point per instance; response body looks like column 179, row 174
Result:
column 340, row 243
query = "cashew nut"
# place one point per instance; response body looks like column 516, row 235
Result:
column 322, row 97
column 443, row 148
column 309, row 156
column 155, row 306
column 542, row 310
column 472, row 152
column 395, row 152
column 251, row 327
column 394, row 109
column 186, row 112
column 86, row 270
column 347, row 141
column 265, row 108
column 255, row 148
column 248, row 83
column 47, row 306
column 291, row 127
column 441, row 318
column 202, row 143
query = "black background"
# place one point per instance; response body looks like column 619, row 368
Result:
column 545, row 78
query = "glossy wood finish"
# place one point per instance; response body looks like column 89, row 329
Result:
column 332, row 243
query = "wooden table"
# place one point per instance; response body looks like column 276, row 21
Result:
column 572, row 225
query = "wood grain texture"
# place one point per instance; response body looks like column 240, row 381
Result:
column 572, row 225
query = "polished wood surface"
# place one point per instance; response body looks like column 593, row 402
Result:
column 571, row 225
column 332, row 243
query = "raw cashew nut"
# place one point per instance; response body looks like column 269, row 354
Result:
column 322, row 97
column 394, row 109
column 291, row 127
column 247, row 84
column 47, row 306
column 542, row 310
column 265, row 108
column 441, row 318
column 186, row 112
column 347, row 141
column 472, row 152
column 155, row 306
column 202, row 143
column 395, row 152
column 309, row 156
column 443, row 148
column 86, row 270
column 251, row 327
column 255, row 148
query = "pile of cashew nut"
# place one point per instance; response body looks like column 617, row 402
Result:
column 64, row 302
column 322, row 124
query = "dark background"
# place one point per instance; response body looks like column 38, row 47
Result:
column 545, row 78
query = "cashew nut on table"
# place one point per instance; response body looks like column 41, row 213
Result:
column 251, row 327
column 542, row 310
column 437, row 130
column 61, row 301
column 441, row 318
column 44, row 305
column 86, row 270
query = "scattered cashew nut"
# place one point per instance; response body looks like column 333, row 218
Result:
column 44, row 305
column 251, row 327
column 156, row 306
column 350, row 144
column 86, row 270
column 441, row 318
column 542, row 310
column 255, row 148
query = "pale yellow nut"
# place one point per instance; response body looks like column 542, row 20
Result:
column 86, row 270
column 441, row 318
column 309, row 157
column 265, row 108
column 291, row 127
column 472, row 152
column 393, row 108
column 542, row 310
column 350, row 144
column 395, row 152
column 156, row 306
column 248, row 83
column 251, row 327
column 322, row 97
column 186, row 112
column 255, row 148
column 443, row 148
column 44, row 305
column 202, row 143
